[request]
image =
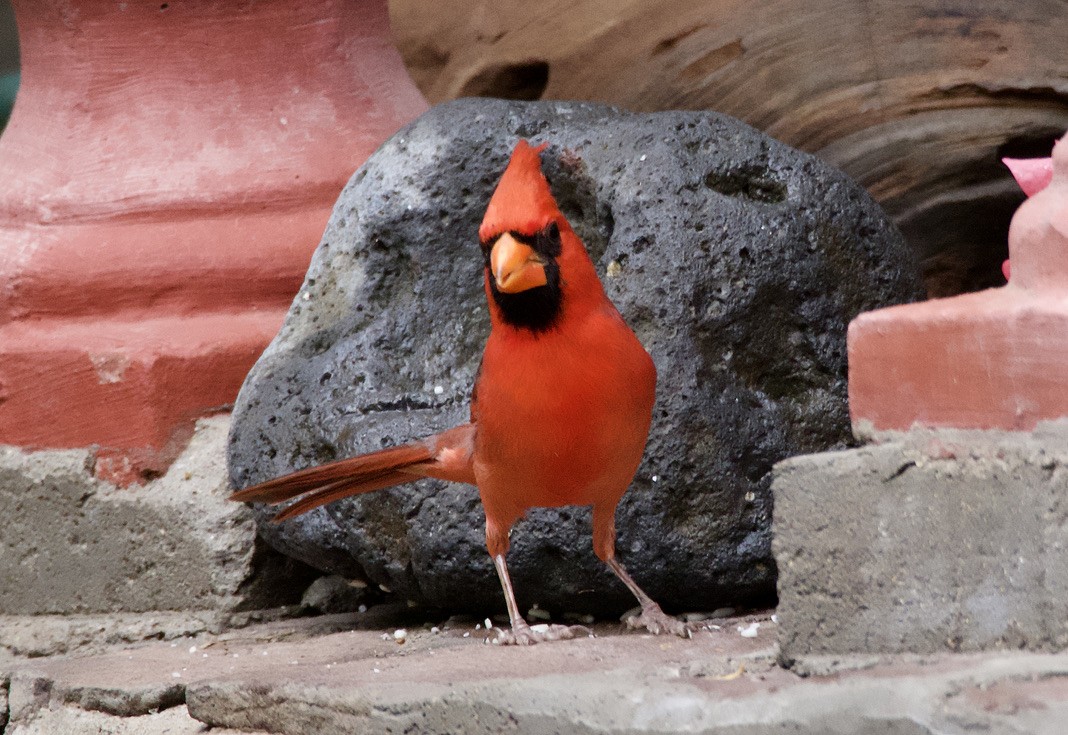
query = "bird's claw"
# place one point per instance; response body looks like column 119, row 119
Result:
column 657, row 622
column 527, row 635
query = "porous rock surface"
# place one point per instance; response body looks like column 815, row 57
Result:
column 738, row 262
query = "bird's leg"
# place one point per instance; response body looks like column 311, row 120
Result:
column 652, row 618
column 521, row 634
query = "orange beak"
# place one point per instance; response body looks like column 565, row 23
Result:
column 515, row 266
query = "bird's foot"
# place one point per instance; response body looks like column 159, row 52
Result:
column 522, row 634
column 657, row 622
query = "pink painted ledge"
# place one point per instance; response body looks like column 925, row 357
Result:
column 169, row 169
column 997, row 359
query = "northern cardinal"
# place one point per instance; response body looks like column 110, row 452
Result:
column 561, row 408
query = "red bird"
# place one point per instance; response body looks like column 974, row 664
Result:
column 562, row 404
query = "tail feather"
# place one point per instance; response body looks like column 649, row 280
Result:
column 446, row 456
column 342, row 489
column 351, row 471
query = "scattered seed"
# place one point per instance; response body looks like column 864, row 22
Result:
column 749, row 631
column 733, row 675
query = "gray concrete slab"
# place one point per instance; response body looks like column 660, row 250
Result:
column 331, row 675
column 74, row 544
column 54, row 635
column 933, row 541
column 72, row 721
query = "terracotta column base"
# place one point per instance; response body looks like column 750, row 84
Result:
column 122, row 351
column 169, row 169
column 135, row 387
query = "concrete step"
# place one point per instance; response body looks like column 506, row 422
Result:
column 348, row 673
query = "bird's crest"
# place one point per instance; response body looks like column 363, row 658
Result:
column 522, row 201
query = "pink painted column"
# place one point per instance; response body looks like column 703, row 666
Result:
column 168, row 170
column 993, row 359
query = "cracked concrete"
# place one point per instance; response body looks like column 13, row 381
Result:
column 71, row 721
column 346, row 673
column 938, row 540
column 73, row 544
column 901, row 539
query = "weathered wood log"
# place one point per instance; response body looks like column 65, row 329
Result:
column 917, row 101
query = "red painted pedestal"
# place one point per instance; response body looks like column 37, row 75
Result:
column 994, row 359
column 168, row 170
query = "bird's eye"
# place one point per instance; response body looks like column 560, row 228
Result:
column 547, row 241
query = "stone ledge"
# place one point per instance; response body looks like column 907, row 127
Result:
column 938, row 540
column 73, row 721
column 344, row 674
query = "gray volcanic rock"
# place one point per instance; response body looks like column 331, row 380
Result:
column 737, row 260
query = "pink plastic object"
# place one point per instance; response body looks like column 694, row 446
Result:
column 1033, row 175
